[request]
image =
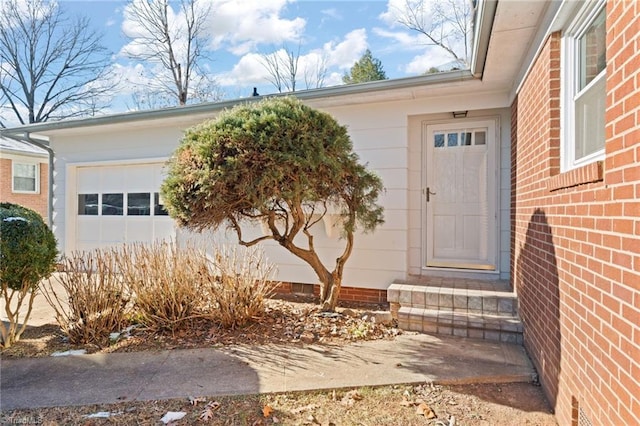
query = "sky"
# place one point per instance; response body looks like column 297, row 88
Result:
column 241, row 30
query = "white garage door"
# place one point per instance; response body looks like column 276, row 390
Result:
column 118, row 204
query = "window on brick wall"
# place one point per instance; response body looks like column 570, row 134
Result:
column 583, row 64
column 25, row 178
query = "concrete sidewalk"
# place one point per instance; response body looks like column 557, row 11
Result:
column 109, row 378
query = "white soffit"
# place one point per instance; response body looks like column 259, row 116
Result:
column 514, row 28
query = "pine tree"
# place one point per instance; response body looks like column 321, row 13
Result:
column 367, row 68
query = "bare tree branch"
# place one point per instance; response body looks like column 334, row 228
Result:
column 271, row 62
column 51, row 67
column 447, row 24
column 175, row 49
column 316, row 72
column 282, row 66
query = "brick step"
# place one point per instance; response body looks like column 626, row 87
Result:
column 457, row 300
column 501, row 328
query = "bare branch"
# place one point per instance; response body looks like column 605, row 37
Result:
column 272, row 64
column 175, row 50
column 52, row 67
column 282, row 67
column 316, row 72
column 447, row 24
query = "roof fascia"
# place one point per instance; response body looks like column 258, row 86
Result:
column 23, row 153
column 175, row 112
column 483, row 25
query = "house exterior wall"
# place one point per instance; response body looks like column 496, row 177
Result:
column 379, row 132
column 37, row 201
column 576, row 237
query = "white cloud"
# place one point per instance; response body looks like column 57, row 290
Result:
column 332, row 13
column 336, row 55
column 132, row 29
column 396, row 9
column 249, row 70
column 433, row 16
column 432, row 57
column 401, row 39
column 240, row 26
column 344, row 53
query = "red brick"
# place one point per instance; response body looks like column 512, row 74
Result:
column 593, row 262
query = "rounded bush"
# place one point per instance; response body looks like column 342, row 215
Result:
column 27, row 247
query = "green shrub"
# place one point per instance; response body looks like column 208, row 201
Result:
column 27, row 255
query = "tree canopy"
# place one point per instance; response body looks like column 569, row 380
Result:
column 367, row 68
column 280, row 163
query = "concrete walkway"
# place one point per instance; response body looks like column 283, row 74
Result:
column 109, row 378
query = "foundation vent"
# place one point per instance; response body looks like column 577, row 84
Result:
column 583, row 420
column 578, row 416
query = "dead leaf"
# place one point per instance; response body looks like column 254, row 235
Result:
column 350, row 398
column 208, row 410
column 305, row 408
column 267, row 410
column 406, row 402
column 196, row 400
column 424, row 410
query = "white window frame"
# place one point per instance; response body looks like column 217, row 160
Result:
column 36, row 167
column 583, row 17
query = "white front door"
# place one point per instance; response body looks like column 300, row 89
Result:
column 460, row 194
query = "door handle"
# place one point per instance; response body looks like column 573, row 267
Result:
column 427, row 192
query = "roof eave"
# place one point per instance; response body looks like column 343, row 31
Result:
column 485, row 14
column 321, row 93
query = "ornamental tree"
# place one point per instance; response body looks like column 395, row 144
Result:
column 277, row 163
column 27, row 255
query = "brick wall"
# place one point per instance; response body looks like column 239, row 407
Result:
column 38, row 202
column 576, row 237
column 347, row 294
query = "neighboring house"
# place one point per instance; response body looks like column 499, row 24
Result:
column 524, row 168
column 24, row 175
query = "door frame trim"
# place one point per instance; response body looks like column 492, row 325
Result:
column 493, row 176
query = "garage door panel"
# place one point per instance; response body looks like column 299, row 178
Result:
column 139, row 230
column 121, row 206
column 88, row 228
column 139, row 179
column 113, row 179
column 113, row 230
column 88, row 180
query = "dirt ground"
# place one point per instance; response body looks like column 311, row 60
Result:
column 485, row 404
column 292, row 321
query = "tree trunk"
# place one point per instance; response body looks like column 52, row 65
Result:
column 330, row 291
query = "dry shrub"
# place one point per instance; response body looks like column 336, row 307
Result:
column 91, row 300
column 242, row 283
column 166, row 282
